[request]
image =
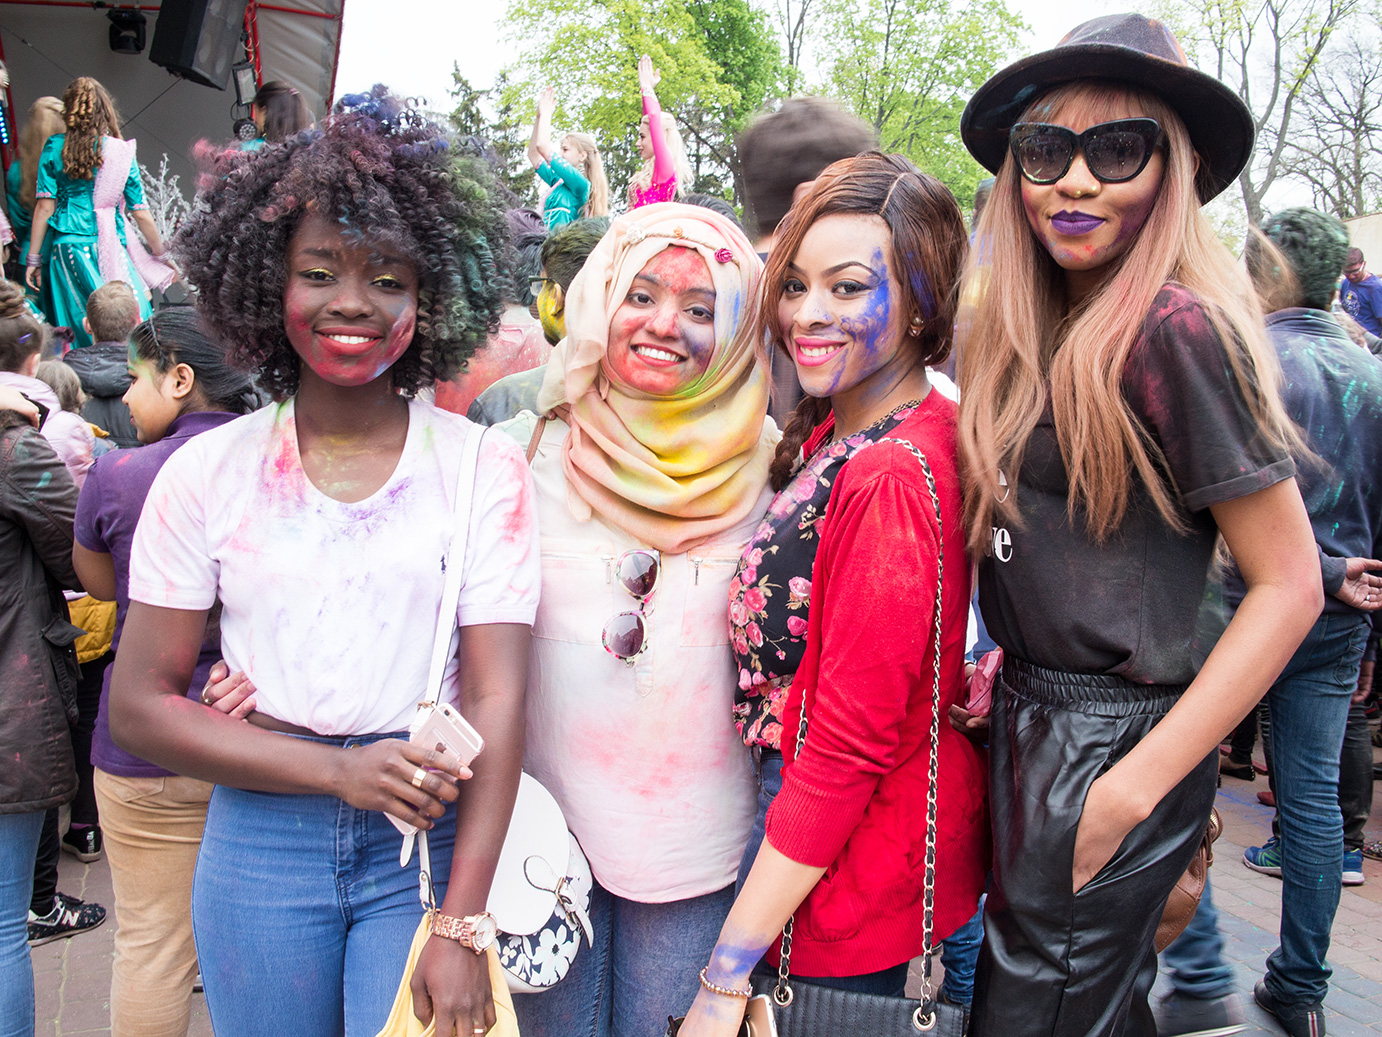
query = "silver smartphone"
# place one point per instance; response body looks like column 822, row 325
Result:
column 445, row 730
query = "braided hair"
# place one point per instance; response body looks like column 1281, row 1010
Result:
column 384, row 172
column 90, row 115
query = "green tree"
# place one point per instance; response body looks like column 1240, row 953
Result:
column 718, row 59
column 909, row 66
column 1267, row 51
column 487, row 115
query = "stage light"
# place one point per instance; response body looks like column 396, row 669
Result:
column 127, row 27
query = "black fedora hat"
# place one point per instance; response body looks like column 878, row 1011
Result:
column 1125, row 48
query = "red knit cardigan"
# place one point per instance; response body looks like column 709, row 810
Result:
column 854, row 801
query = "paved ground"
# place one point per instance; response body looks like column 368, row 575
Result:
column 73, row 976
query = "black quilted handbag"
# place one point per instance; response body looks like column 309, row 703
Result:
column 807, row 1010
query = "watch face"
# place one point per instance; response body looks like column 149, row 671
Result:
column 486, row 931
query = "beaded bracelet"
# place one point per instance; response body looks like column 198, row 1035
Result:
column 715, row 988
column 33, row 259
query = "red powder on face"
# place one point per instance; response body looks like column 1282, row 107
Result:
column 680, row 269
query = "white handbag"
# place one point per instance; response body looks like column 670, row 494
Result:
column 540, row 897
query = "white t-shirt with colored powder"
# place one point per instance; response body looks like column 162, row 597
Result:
column 331, row 608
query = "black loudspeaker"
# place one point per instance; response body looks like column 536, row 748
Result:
column 199, row 39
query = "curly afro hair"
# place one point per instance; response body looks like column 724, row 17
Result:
column 388, row 176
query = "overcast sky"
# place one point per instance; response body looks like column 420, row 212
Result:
column 411, row 44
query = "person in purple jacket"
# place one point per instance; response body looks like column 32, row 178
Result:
column 153, row 818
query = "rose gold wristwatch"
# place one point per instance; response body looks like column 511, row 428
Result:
column 478, row 932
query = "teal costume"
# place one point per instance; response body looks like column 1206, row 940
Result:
column 22, row 222
column 71, row 269
column 570, row 191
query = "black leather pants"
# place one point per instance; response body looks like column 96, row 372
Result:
column 1053, row 961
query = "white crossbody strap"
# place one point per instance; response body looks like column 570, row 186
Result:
column 454, row 568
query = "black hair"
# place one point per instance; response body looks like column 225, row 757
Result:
column 176, row 336
column 527, row 265
column 386, row 174
column 567, row 248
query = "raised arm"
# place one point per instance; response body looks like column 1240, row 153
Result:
column 540, row 142
column 1270, row 537
column 648, row 78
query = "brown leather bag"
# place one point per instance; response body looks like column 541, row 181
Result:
column 1185, row 898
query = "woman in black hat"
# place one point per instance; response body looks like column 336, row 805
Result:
column 1118, row 414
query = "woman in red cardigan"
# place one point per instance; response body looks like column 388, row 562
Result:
column 840, row 580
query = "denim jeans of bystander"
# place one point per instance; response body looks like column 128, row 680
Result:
column 1309, row 705
column 18, row 844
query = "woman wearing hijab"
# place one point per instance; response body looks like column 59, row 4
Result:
column 651, row 469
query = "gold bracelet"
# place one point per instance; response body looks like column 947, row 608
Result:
column 715, row 988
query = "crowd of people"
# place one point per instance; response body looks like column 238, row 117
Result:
column 875, row 588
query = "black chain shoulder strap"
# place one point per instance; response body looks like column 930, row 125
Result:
column 782, row 993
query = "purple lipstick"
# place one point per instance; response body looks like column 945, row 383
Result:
column 1075, row 223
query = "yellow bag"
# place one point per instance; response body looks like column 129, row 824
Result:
column 97, row 618
column 402, row 1022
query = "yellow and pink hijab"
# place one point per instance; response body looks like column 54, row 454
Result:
column 669, row 470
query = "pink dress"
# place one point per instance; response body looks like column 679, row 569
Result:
column 664, row 184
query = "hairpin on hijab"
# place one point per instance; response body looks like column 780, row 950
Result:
column 637, row 233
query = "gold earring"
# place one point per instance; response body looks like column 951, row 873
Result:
column 916, row 325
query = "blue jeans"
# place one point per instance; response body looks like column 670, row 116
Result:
column 1196, row 956
column 18, row 844
column 642, row 968
column 960, row 954
column 1309, row 706
column 301, row 912
column 767, row 768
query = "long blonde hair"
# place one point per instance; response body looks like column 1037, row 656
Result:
column 44, row 120
column 1022, row 344
column 643, row 179
column 90, row 115
column 598, row 202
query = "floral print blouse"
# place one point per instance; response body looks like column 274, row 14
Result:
column 770, row 595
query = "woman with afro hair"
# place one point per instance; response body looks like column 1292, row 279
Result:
column 348, row 267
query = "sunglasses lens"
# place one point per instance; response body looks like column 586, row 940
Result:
column 623, row 635
column 638, row 573
column 1044, row 156
column 1116, row 155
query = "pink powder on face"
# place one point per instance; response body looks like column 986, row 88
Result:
column 680, row 269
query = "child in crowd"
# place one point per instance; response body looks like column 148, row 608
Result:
column 574, row 174
column 112, row 311
column 152, row 818
column 21, row 350
column 665, row 174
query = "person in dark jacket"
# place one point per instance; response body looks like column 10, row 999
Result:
column 111, row 314
column 38, row 677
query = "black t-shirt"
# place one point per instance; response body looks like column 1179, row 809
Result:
column 1052, row 596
